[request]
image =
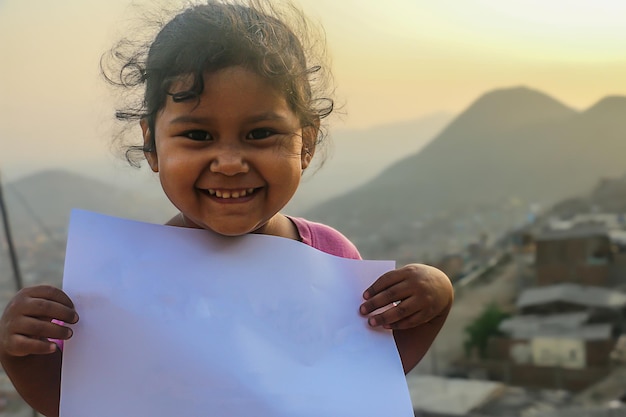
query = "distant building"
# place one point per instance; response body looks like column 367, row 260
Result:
column 569, row 341
column 453, row 397
column 562, row 337
column 434, row 396
column 569, row 297
column 571, row 310
column 589, row 254
column 453, row 265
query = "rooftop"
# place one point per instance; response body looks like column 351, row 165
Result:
column 588, row 296
column 451, row 396
column 572, row 325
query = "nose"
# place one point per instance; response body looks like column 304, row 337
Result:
column 229, row 160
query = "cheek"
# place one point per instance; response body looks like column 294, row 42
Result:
column 293, row 173
column 175, row 167
column 288, row 161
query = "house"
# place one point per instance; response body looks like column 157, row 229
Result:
column 587, row 253
column 561, row 298
column 561, row 338
column 565, row 340
column 434, row 396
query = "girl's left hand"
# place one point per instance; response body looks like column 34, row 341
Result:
column 416, row 295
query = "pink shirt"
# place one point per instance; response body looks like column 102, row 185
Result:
column 325, row 238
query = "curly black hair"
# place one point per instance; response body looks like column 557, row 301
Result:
column 277, row 42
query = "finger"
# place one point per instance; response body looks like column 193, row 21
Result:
column 46, row 309
column 48, row 292
column 409, row 322
column 385, row 281
column 397, row 292
column 396, row 319
column 40, row 329
column 397, row 312
column 42, row 302
column 20, row 345
column 413, row 319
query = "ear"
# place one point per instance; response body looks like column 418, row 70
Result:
column 149, row 145
column 309, row 140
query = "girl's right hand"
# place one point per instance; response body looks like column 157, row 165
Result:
column 26, row 324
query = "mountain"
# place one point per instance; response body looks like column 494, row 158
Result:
column 39, row 207
column 511, row 148
column 353, row 157
column 608, row 196
column 41, row 203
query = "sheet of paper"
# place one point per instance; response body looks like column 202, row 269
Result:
column 183, row 322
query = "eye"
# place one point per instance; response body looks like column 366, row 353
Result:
column 199, row 135
column 263, row 133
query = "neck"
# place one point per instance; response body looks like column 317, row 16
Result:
column 279, row 225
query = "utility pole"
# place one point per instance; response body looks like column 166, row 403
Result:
column 7, row 231
column 12, row 252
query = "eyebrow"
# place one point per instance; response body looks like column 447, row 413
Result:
column 262, row 117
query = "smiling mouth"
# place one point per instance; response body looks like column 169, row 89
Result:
column 228, row 194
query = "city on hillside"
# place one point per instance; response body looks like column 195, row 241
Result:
column 551, row 340
column 539, row 322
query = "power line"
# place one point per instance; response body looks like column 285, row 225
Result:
column 7, row 231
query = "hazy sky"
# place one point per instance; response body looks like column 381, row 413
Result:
column 393, row 60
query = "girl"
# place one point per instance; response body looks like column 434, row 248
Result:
column 232, row 102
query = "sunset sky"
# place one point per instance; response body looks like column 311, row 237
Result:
column 393, row 60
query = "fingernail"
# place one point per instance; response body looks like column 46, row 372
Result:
column 372, row 322
column 366, row 295
column 75, row 317
column 363, row 310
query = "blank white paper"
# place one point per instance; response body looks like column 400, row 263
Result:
column 184, row 322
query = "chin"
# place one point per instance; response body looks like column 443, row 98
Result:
column 230, row 232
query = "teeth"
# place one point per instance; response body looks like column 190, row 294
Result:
column 230, row 194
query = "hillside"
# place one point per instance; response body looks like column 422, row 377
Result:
column 608, row 196
column 354, row 157
column 509, row 149
column 41, row 203
column 48, row 196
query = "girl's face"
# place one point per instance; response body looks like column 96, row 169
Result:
column 230, row 161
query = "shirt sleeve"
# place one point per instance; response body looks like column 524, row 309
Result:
column 325, row 238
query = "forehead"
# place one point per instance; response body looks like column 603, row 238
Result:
column 230, row 90
column 216, row 80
